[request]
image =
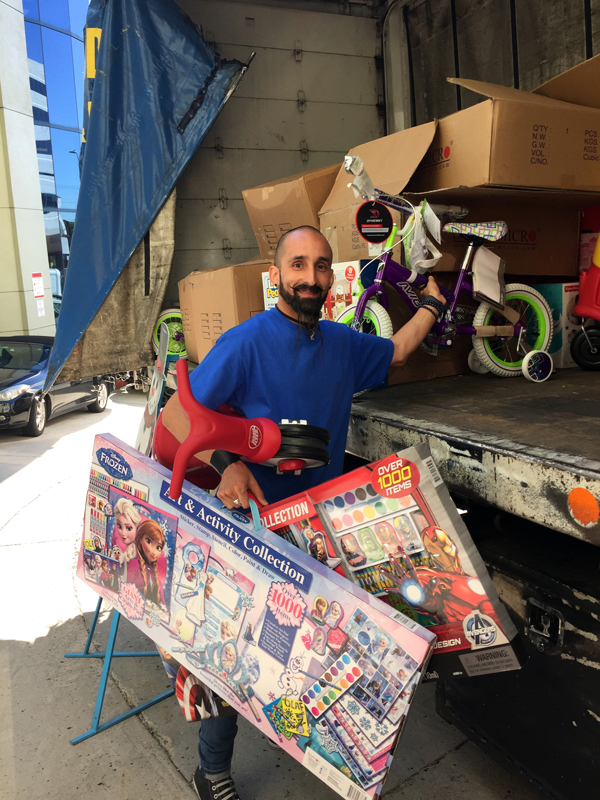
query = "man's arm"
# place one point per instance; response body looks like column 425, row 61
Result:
column 236, row 480
column 410, row 336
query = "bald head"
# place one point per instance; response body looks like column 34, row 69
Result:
column 296, row 236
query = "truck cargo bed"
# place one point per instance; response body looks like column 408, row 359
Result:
column 516, row 445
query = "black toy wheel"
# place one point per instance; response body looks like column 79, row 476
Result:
column 304, row 452
column 304, row 431
column 585, row 349
column 294, row 441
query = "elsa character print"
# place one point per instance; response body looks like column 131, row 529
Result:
column 378, row 646
column 194, row 608
column 127, row 520
column 229, row 658
column 97, row 567
column 228, row 631
column 334, row 615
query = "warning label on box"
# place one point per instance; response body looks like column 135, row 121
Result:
column 488, row 661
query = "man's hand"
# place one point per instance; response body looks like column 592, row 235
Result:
column 410, row 335
column 433, row 290
column 236, row 482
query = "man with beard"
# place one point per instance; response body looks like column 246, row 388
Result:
column 286, row 363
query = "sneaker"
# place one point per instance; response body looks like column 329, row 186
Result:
column 273, row 745
column 221, row 789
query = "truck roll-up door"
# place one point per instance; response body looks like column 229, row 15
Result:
column 311, row 94
column 520, row 43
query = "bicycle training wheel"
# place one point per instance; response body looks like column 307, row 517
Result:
column 375, row 321
column 499, row 353
column 172, row 318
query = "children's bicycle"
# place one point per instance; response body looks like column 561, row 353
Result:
column 504, row 330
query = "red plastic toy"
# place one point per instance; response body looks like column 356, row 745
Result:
column 585, row 347
column 256, row 439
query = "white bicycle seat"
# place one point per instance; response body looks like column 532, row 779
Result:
column 492, row 231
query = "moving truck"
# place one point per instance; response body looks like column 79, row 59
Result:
column 327, row 77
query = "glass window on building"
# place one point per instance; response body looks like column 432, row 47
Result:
column 53, row 32
column 55, row 12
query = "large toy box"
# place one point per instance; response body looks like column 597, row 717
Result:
column 246, row 620
column 393, row 530
column 562, row 298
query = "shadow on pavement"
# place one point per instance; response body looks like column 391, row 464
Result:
column 47, row 699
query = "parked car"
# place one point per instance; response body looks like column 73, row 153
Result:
column 23, row 369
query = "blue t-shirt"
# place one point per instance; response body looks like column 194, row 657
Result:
column 266, row 367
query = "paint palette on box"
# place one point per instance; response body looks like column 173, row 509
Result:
column 332, row 685
column 245, row 620
column 399, row 536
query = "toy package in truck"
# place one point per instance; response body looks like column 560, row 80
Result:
column 399, row 536
column 245, row 620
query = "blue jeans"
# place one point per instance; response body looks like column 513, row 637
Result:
column 215, row 746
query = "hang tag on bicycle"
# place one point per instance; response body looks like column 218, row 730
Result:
column 374, row 222
column 537, row 366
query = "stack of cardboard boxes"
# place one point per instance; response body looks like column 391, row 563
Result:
column 529, row 158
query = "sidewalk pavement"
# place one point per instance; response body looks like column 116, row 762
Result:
column 45, row 699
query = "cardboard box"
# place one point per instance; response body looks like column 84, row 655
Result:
column 396, row 514
column 239, row 612
column 270, row 292
column 390, row 161
column 279, row 206
column 562, row 298
column 543, row 228
column 517, row 138
column 214, row 300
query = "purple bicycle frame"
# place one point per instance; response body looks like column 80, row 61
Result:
column 403, row 280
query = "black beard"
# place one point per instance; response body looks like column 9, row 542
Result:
column 307, row 308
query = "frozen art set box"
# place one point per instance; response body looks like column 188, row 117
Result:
column 394, row 531
column 246, row 620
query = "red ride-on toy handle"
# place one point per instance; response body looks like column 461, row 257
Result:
column 256, row 439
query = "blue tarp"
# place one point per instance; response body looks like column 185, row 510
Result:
column 156, row 89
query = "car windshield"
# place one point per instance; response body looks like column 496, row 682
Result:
column 18, row 359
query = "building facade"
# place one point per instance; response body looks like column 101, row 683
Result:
column 41, row 110
column 55, row 56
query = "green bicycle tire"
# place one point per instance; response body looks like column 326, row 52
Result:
column 172, row 318
column 376, row 320
column 500, row 355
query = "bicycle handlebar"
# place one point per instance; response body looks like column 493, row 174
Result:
column 257, row 439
